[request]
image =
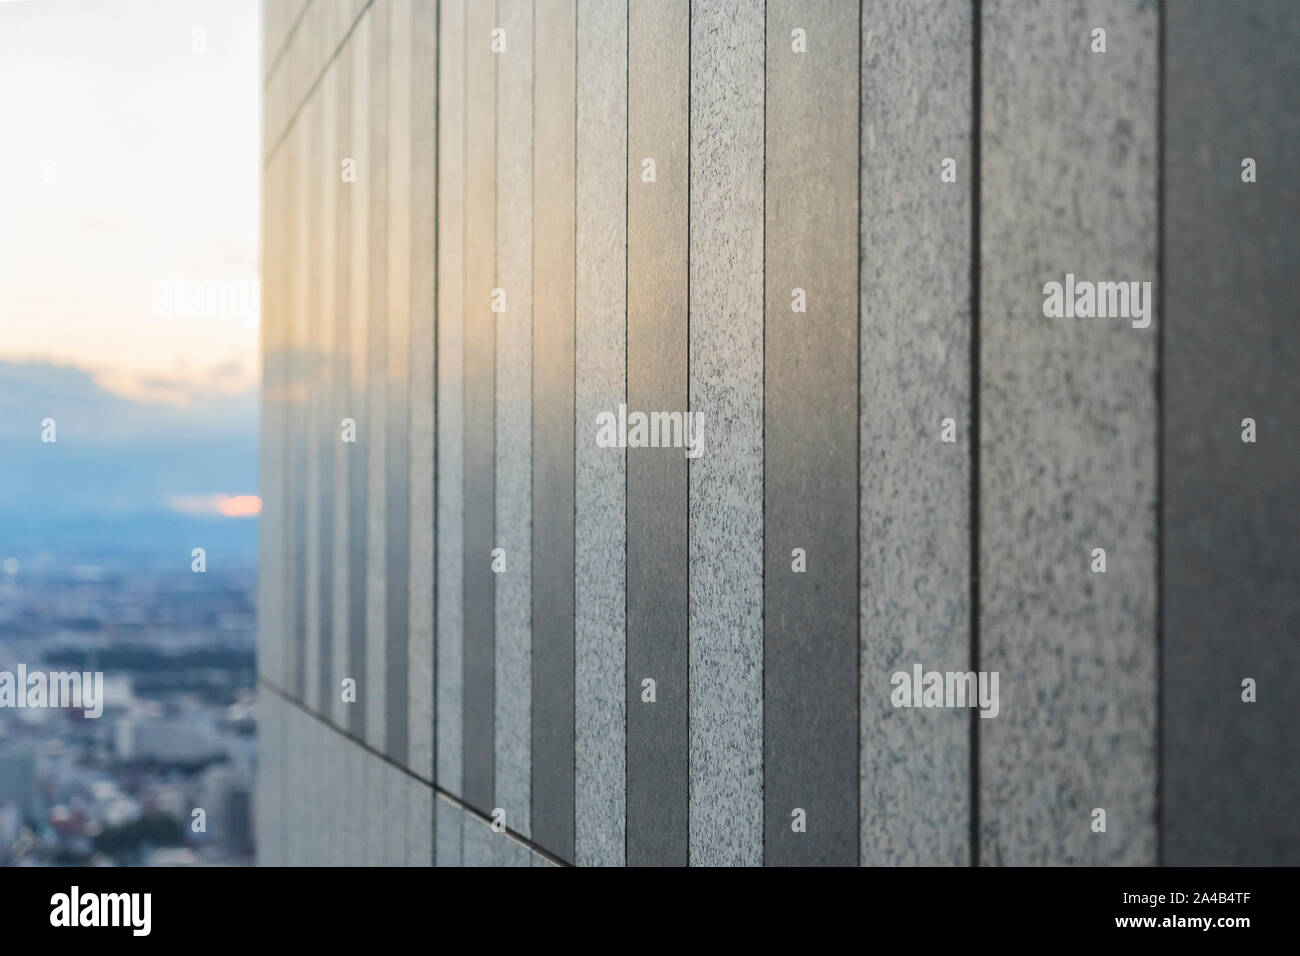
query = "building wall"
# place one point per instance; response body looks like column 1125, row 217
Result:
column 839, row 262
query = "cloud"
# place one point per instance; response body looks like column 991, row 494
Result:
column 114, row 454
column 227, row 506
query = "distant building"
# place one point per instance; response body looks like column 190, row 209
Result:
column 163, row 741
column 18, row 782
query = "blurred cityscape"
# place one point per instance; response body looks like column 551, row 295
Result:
column 177, row 733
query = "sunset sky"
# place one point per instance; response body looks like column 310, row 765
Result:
column 129, row 166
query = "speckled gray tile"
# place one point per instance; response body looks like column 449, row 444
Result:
column 914, row 527
column 507, row 851
column 1067, row 435
column 554, row 116
column 420, row 657
column 600, row 473
column 419, row 823
column 1232, row 509
column 301, row 811
column 726, row 480
column 372, row 694
column 278, row 765
column 269, row 798
column 657, row 647
column 292, row 761
column 448, row 830
column 375, row 810
column 478, row 840
column 353, row 836
column 397, row 810
column 309, row 808
column 449, row 471
column 345, row 810
column 326, row 821
column 284, row 777
column 325, row 793
column 810, row 405
column 480, row 405
column 514, row 414
column 262, row 778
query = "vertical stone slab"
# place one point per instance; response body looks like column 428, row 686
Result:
column 1067, row 436
column 478, row 840
column 377, row 180
column 266, row 806
column 448, row 830
column 514, row 412
column 293, row 803
column 326, row 838
column 726, row 481
column 554, row 184
column 311, row 387
column 354, row 795
column 340, row 661
column 280, row 812
column 274, row 27
column 1231, row 509
column 309, row 812
column 658, row 124
column 508, row 851
column 271, row 535
column 810, row 405
column 424, row 219
column 600, row 474
column 480, row 401
column 397, row 537
column 397, row 810
column 293, row 491
column 914, row 525
column 325, row 431
column 419, row 823
column 449, row 471
column 310, row 390
column 375, row 810
column 359, row 373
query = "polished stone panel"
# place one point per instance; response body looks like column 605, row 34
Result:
column 514, row 413
column 554, row 116
column 1067, row 436
column 810, row 405
column 1231, row 509
column 480, row 404
column 423, row 112
column 914, row 525
column 657, row 273
column 726, row 387
column 600, row 478
column 449, row 469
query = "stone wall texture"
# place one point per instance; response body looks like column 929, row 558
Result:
column 820, row 235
